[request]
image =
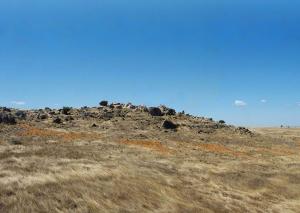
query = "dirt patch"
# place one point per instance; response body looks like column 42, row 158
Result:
column 49, row 134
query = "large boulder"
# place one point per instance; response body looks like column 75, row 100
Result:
column 7, row 118
column 170, row 112
column 21, row 114
column 118, row 106
column 244, row 131
column 43, row 116
column 66, row 110
column 130, row 106
column 103, row 103
column 155, row 111
column 167, row 111
column 169, row 125
column 5, row 109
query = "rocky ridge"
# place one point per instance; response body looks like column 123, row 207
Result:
column 141, row 117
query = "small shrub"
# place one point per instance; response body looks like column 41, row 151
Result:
column 103, row 103
column 222, row 122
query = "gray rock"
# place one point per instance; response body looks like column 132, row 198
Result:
column 21, row 114
column 167, row 111
column 66, row 110
column 118, row 107
column 155, row 111
column 43, row 116
column 5, row 109
column 7, row 118
column 103, row 103
column 69, row 118
column 57, row 120
column 244, row 131
column 169, row 125
column 170, row 112
column 130, row 106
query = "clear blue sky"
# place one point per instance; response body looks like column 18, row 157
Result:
column 236, row 60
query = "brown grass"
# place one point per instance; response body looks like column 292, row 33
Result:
column 117, row 175
column 276, row 151
column 220, row 149
column 152, row 145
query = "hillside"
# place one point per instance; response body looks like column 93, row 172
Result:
column 127, row 158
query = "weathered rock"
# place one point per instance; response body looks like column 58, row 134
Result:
column 21, row 114
column 167, row 111
column 57, row 120
column 66, row 110
column 169, row 125
column 170, row 112
column 7, row 118
column 94, row 125
column 103, row 103
column 130, row 106
column 244, row 131
column 106, row 115
column 52, row 113
column 118, row 107
column 143, row 108
column 43, row 116
column 69, row 118
column 5, row 109
column 155, row 111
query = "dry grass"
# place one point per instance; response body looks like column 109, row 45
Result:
column 115, row 175
column 276, row 151
column 220, row 149
column 152, row 145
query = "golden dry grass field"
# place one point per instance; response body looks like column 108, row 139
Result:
column 119, row 166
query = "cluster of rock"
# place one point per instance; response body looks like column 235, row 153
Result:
column 105, row 111
column 169, row 119
column 244, row 131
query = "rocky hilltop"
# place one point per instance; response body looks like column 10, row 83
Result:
column 126, row 158
column 140, row 117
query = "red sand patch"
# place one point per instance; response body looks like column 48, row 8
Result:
column 30, row 131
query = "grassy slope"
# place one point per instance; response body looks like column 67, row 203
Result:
column 134, row 170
